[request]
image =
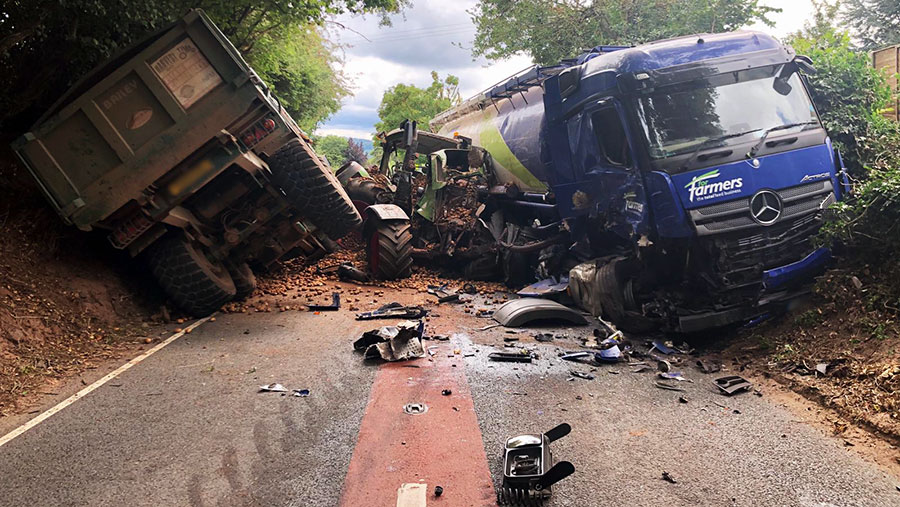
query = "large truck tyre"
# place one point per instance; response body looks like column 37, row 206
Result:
column 244, row 280
column 612, row 298
column 389, row 249
column 313, row 190
column 613, row 277
column 197, row 284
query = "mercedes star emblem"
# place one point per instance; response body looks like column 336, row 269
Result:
column 765, row 207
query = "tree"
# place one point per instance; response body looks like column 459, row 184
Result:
column 552, row 30
column 849, row 95
column 875, row 23
column 406, row 101
column 334, row 148
column 355, row 152
column 47, row 45
column 847, row 91
column 303, row 70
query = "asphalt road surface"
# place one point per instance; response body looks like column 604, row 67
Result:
column 187, row 426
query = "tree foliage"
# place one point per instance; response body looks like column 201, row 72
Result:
column 847, row 91
column 334, row 148
column 875, row 23
column 302, row 69
column 551, row 30
column 46, row 45
column 850, row 95
column 340, row 150
column 356, row 152
column 406, row 101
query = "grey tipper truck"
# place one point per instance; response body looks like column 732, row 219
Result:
column 180, row 151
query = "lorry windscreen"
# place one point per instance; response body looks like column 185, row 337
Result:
column 679, row 120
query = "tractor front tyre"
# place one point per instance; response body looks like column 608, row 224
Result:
column 389, row 249
column 197, row 284
column 313, row 190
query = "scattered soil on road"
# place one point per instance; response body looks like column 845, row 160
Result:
column 296, row 284
column 847, row 330
column 67, row 301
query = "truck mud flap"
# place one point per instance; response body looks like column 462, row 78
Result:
column 520, row 312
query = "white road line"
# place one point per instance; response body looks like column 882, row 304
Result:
column 87, row 390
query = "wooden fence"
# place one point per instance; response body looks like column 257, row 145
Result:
column 888, row 59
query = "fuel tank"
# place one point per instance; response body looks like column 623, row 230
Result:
column 512, row 131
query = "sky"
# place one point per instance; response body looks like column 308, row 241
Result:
column 437, row 35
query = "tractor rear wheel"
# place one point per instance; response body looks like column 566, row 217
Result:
column 390, row 249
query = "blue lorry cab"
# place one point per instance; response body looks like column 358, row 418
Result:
column 699, row 163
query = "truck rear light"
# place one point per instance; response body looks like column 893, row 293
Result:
column 129, row 230
column 254, row 134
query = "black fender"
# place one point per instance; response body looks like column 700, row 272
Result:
column 383, row 213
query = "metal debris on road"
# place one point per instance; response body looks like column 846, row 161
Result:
column 669, row 387
column 579, row 374
column 334, row 306
column 511, row 357
column 528, row 468
column 609, row 351
column 547, row 287
column 393, row 311
column 349, row 273
column 393, row 343
column 415, row 408
column 581, row 357
column 301, row 393
column 732, row 384
column 673, row 375
column 273, row 388
column 668, row 478
column 442, row 294
column 664, row 348
column 708, row 366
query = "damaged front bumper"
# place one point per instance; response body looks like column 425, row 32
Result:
column 781, row 285
column 800, row 271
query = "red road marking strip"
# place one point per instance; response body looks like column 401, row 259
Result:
column 442, row 447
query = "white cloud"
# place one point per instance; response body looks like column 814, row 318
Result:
column 345, row 132
column 437, row 35
column 794, row 13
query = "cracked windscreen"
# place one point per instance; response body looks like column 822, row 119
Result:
column 677, row 121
